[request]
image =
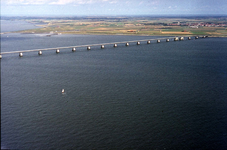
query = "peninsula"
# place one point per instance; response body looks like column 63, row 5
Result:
column 139, row 25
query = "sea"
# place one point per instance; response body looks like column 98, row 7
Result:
column 161, row 96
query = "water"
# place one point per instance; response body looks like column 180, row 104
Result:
column 15, row 25
column 170, row 95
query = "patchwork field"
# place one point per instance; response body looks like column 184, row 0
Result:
column 177, row 33
column 131, row 26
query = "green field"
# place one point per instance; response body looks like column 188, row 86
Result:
column 130, row 26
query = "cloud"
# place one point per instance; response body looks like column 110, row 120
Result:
column 156, row 2
column 113, row 2
column 61, row 2
column 53, row 2
column 141, row 3
column 24, row 2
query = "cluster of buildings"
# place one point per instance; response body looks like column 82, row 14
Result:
column 197, row 25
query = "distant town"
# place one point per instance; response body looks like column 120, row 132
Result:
column 197, row 25
column 137, row 25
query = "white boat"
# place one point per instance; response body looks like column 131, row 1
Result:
column 63, row 90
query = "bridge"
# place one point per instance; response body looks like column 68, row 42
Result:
column 102, row 45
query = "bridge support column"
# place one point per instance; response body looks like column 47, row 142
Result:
column 115, row 45
column 138, row 43
column 73, row 49
column 102, row 46
column 88, row 48
column 57, row 51
column 176, row 39
column 21, row 54
column 148, row 42
column 127, row 44
column 40, row 53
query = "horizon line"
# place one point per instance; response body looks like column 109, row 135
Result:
column 140, row 15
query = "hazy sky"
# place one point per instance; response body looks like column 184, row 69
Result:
column 111, row 7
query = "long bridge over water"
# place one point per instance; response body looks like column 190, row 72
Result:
column 167, row 39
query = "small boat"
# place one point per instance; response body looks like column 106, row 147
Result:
column 63, row 90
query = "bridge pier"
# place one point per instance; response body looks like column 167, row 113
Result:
column 158, row 41
column 148, row 42
column 102, row 46
column 127, row 44
column 138, row 43
column 57, row 51
column 115, row 45
column 40, row 53
column 21, row 54
column 88, row 48
column 167, row 40
column 176, row 39
column 73, row 49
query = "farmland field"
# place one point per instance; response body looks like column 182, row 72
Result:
column 214, row 26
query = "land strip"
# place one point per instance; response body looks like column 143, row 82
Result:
column 152, row 26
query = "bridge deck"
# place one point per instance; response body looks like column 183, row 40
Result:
column 45, row 49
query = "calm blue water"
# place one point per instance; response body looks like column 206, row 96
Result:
column 15, row 25
column 158, row 96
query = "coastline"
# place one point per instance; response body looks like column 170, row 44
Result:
column 65, row 33
column 127, row 26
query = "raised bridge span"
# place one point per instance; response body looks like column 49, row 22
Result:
column 101, row 44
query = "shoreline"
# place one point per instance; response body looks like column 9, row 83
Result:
column 176, row 35
column 125, row 27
